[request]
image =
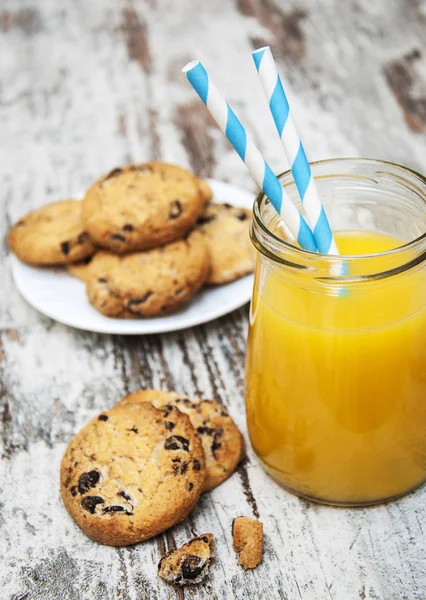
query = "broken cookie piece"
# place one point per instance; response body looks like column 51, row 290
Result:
column 189, row 564
column 248, row 541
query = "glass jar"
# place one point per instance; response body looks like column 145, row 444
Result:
column 336, row 358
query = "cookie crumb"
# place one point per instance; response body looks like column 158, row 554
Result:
column 248, row 541
column 189, row 564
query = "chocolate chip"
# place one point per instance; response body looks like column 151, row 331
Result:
column 117, row 237
column 102, row 280
column 133, row 429
column 205, row 539
column 215, row 446
column 125, row 496
column 176, row 442
column 205, row 219
column 178, row 578
column 164, row 308
column 87, row 260
column 20, row 223
column 190, row 486
column 223, row 413
column 73, row 490
column 135, row 302
column 179, row 291
column 83, row 237
column 241, row 216
column 196, row 465
column 206, row 430
column 65, row 247
column 127, row 227
column 115, row 508
column 169, row 425
column 113, row 173
column 192, row 567
column 226, row 205
column 87, row 481
column 102, row 418
column 175, row 210
column 90, row 502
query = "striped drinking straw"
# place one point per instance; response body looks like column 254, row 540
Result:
column 293, row 148
column 249, row 153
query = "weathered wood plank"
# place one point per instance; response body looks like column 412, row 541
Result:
column 86, row 86
column 409, row 89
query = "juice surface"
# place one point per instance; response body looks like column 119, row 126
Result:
column 336, row 384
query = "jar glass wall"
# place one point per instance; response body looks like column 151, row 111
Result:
column 336, row 359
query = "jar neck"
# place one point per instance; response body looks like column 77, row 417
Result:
column 388, row 197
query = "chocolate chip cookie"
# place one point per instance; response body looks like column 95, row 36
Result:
column 100, row 262
column 222, row 441
column 227, row 231
column 132, row 472
column 152, row 283
column 143, row 206
column 51, row 235
column 189, row 564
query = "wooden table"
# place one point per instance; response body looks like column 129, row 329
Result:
column 91, row 84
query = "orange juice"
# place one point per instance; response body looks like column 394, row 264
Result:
column 336, row 381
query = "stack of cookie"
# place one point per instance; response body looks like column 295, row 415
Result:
column 139, row 468
column 144, row 240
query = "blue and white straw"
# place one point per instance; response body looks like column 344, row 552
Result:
column 249, row 153
column 280, row 109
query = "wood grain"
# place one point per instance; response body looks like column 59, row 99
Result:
column 136, row 37
column 284, row 26
column 87, row 86
column 409, row 89
column 194, row 123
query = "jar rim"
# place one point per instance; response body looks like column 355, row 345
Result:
column 301, row 258
column 273, row 246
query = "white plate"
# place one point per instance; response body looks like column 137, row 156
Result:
column 61, row 297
